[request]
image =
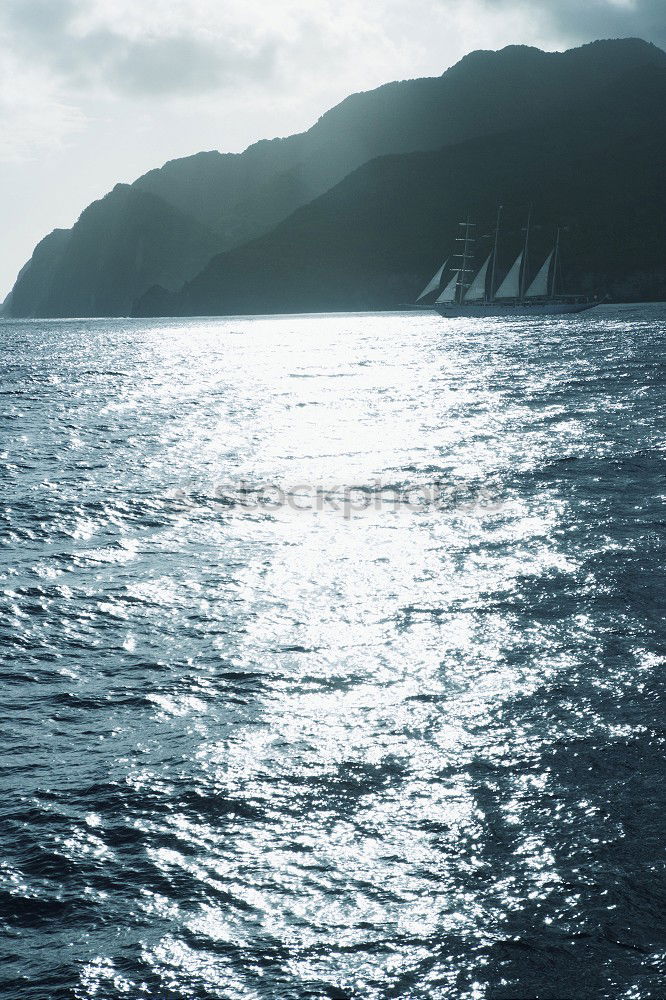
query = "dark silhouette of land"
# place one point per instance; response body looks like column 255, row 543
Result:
column 356, row 212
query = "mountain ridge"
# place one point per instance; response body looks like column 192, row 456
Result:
column 238, row 198
column 433, row 110
column 370, row 241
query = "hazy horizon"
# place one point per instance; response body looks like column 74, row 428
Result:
column 96, row 93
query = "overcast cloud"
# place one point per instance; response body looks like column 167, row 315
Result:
column 584, row 20
column 96, row 91
column 87, row 44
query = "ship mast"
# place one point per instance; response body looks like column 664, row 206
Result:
column 466, row 255
column 523, row 278
column 494, row 267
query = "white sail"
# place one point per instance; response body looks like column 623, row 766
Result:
column 449, row 293
column 510, row 287
column 539, row 287
column 477, row 290
column 433, row 284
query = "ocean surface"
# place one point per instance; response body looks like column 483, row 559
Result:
column 331, row 658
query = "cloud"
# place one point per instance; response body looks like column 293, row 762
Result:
column 178, row 48
column 185, row 65
column 84, row 43
column 34, row 117
column 584, row 20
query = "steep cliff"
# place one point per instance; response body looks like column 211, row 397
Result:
column 122, row 244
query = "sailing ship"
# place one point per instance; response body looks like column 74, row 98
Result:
column 466, row 291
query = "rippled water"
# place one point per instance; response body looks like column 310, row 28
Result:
column 330, row 658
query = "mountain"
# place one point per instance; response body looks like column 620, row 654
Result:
column 243, row 195
column 373, row 240
column 36, row 277
column 5, row 307
column 234, row 198
column 122, row 243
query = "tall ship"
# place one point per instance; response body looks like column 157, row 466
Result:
column 464, row 290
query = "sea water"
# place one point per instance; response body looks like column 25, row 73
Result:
column 332, row 658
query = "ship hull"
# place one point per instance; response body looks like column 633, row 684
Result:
column 510, row 310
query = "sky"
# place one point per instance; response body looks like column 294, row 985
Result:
column 93, row 92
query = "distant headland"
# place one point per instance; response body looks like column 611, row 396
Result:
column 352, row 213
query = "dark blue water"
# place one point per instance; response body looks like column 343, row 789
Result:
column 332, row 658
